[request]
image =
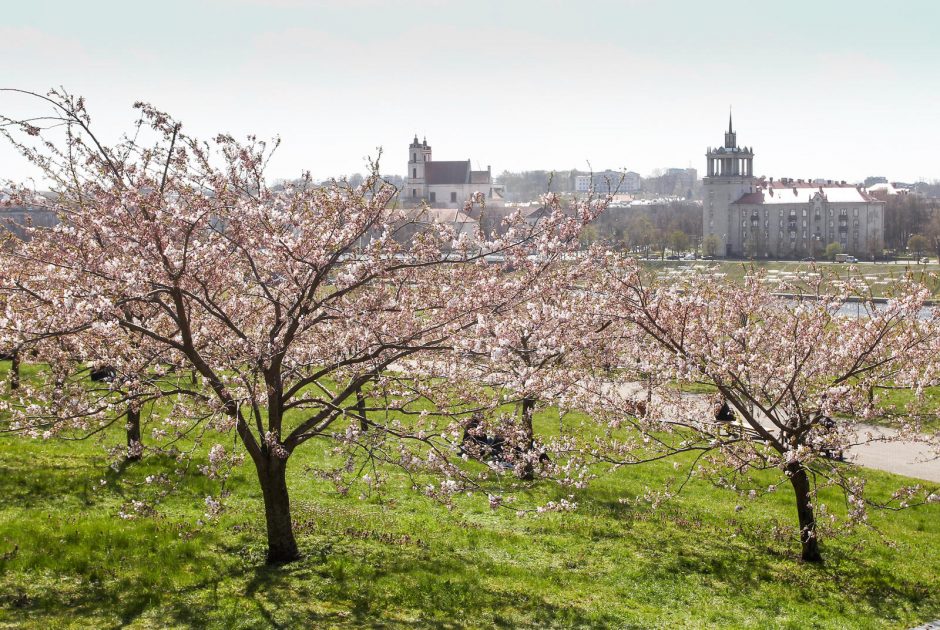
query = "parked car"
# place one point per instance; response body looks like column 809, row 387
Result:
column 924, row 260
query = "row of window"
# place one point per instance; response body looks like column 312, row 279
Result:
column 843, row 238
column 793, row 213
column 433, row 196
column 791, row 224
column 793, row 234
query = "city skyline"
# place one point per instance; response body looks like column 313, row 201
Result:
column 841, row 91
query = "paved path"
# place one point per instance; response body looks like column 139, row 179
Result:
column 911, row 459
column 903, row 457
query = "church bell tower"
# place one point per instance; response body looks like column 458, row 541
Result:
column 419, row 154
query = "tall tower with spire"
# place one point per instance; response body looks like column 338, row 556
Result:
column 729, row 176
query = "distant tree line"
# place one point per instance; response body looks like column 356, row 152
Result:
column 912, row 216
column 649, row 230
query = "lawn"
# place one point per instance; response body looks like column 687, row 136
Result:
column 401, row 560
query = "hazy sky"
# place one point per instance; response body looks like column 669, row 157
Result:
column 836, row 89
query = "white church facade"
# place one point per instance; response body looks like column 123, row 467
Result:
column 445, row 184
column 754, row 217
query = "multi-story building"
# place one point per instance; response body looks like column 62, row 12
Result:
column 755, row 217
column 444, row 184
column 619, row 182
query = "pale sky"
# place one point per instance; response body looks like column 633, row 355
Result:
column 835, row 89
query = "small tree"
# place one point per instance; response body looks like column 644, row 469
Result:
column 535, row 353
column 917, row 244
column 710, row 245
column 678, row 241
column 833, row 250
column 797, row 375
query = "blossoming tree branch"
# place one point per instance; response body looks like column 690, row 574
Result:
column 265, row 312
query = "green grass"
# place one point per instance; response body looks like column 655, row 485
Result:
column 900, row 401
column 400, row 560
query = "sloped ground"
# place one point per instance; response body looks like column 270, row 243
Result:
column 401, row 560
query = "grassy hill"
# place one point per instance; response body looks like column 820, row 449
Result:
column 401, row 560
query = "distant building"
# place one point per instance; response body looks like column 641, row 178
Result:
column 445, row 184
column 632, row 182
column 619, row 182
column 754, row 217
column 883, row 190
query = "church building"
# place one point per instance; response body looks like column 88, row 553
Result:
column 754, row 217
column 444, row 184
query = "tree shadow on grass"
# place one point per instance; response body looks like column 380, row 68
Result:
column 740, row 559
column 388, row 588
column 24, row 488
column 747, row 565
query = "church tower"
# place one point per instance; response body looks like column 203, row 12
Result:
column 729, row 175
column 419, row 154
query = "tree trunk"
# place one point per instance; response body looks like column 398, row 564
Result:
column 361, row 410
column 800, row 481
column 133, row 434
column 15, row 370
column 528, row 409
column 282, row 547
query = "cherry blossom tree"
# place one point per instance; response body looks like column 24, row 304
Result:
column 533, row 354
column 797, row 374
column 259, row 311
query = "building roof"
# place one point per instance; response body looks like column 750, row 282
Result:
column 479, row 177
column 799, row 191
column 887, row 189
column 450, row 215
column 443, row 172
column 424, row 214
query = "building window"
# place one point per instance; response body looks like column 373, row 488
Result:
column 414, row 193
column 414, row 173
column 414, row 157
column 453, row 197
column 433, row 197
